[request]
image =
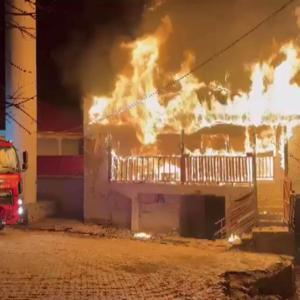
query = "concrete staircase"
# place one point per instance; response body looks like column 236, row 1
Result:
column 270, row 216
column 270, row 235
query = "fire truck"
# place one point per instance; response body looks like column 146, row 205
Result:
column 11, row 203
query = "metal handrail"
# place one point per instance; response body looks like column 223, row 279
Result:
column 241, row 218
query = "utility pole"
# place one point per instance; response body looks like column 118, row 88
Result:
column 20, row 87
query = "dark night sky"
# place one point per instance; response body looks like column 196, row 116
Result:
column 64, row 27
column 60, row 24
column 76, row 38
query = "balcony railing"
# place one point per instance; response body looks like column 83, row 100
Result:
column 190, row 169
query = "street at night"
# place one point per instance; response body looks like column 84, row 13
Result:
column 50, row 265
column 149, row 149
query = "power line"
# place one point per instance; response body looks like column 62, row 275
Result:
column 203, row 63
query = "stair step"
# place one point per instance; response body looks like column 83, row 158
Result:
column 266, row 207
column 270, row 217
column 263, row 223
column 278, row 229
column 270, row 211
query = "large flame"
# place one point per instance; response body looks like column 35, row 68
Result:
column 273, row 98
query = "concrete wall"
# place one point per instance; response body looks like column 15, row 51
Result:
column 40, row 210
column 120, row 209
column 294, row 159
column 191, row 215
column 158, row 207
column 159, row 213
column 66, row 192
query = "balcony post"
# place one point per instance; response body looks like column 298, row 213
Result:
column 109, row 157
column 254, row 173
column 182, row 159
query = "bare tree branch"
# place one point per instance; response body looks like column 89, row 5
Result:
column 33, row 3
column 18, row 106
column 18, row 67
column 25, row 31
column 20, row 12
column 15, row 11
column 18, row 123
column 16, row 100
column 21, row 101
column 24, row 99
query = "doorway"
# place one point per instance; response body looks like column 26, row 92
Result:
column 198, row 215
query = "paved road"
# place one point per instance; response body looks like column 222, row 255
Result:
column 43, row 265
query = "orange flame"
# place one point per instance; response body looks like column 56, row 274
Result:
column 273, row 98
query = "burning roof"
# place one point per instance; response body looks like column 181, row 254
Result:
column 273, row 98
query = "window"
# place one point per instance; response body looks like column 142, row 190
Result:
column 70, row 147
column 48, row 146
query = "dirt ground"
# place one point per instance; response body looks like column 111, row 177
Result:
column 51, row 265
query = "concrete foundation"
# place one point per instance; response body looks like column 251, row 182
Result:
column 157, row 207
column 274, row 240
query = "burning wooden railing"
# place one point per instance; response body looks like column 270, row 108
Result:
column 265, row 167
column 219, row 169
column 189, row 169
column 145, row 169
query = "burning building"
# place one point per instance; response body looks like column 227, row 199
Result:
column 167, row 151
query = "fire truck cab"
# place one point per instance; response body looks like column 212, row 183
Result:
column 11, row 202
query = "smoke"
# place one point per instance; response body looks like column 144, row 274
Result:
column 93, row 62
column 297, row 14
column 204, row 27
column 155, row 4
column 91, row 58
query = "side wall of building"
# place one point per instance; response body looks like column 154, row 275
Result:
column 66, row 192
column 294, row 159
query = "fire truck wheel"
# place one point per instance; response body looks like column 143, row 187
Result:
column 1, row 226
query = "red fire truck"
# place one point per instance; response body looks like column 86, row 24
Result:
column 11, row 202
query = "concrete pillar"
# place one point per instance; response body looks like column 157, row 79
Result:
column 135, row 214
column 20, row 78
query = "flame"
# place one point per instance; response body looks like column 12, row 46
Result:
column 142, row 236
column 234, row 239
column 273, row 98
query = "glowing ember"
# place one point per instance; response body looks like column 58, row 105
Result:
column 234, row 239
column 142, row 236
